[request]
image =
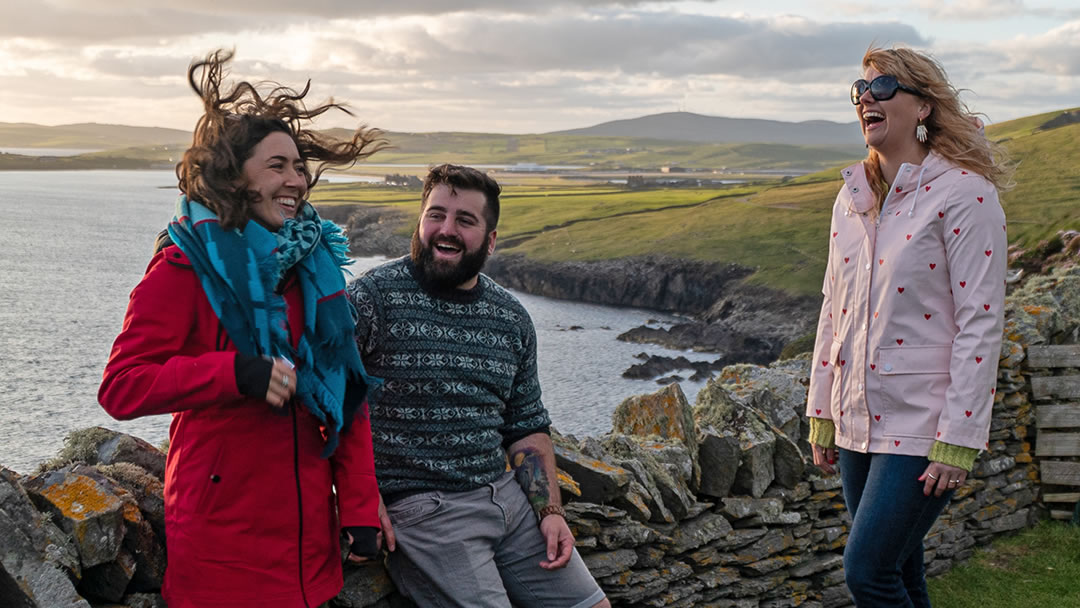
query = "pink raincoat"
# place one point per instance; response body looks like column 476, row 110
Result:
column 910, row 329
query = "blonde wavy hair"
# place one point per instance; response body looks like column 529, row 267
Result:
column 953, row 130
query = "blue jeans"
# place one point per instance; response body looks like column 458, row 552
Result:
column 883, row 559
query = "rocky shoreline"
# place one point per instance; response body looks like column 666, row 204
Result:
column 745, row 323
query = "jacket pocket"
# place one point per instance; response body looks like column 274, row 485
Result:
column 913, row 384
column 835, row 405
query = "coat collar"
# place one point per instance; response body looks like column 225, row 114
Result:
column 907, row 179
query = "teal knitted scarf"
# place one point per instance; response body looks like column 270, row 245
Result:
column 241, row 270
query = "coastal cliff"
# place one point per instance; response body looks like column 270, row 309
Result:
column 744, row 323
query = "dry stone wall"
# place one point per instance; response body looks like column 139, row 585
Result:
column 713, row 505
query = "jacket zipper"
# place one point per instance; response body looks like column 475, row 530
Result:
column 299, row 505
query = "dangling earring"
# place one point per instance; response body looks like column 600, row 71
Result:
column 920, row 132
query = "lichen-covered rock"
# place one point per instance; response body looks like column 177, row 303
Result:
column 84, row 507
column 32, row 570
column 600, row 481
column 665, row 414
column 365, row 584
column 720, row 457
column 108, row 581
column 672, row 492
column 98, row 445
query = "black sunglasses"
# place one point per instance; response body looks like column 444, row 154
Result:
column 881, row 88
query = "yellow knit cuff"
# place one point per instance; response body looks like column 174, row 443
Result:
column 822, row 432
column 953, row 455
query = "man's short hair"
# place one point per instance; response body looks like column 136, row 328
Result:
column 459, row 177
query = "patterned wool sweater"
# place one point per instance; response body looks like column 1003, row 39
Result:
column 460, row 379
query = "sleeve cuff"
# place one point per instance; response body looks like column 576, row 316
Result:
column 822, row 432
column 953, row 455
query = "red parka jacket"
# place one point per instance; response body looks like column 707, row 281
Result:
column 251, row 516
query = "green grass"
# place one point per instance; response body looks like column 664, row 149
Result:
column 1038, row 568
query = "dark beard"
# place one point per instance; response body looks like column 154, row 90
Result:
column 441, row 275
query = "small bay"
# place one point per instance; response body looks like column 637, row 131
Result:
column 77, row 242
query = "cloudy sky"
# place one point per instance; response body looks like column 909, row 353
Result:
column 517, row 66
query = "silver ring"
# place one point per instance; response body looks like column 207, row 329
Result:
column 284, row 381
column 931, row 476
column 951, row 481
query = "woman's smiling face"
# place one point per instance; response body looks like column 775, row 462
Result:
column 277, row 174
column 888, row 123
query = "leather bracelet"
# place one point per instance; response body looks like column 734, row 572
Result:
column 551, row 510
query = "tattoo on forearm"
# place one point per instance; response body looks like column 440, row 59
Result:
column 528, row 465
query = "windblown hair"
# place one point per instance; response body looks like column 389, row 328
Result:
column 952, row 129
column 466, row 178
column 236, row 119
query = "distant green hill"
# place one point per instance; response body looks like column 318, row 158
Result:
column 687, row 126
column 91, row 136
column 775, row 227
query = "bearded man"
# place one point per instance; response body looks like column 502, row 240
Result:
column 457, row 354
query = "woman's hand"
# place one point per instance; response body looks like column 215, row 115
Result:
column 940, row 478
column 282, row 384
column 824, row 458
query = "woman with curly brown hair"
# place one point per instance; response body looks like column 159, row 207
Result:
column 240, row 329
column 905, row 364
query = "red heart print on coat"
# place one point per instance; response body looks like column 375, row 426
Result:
column 988, row 252
column 900, row 341
column 818, row 412
column 939, row 433
column 875, row 314
column 846, row 260
column 909, row 237
column 933, row 266
column 941, row 214
column 979, row 198
column 834, row 234
column 824, row 364
column 872, row 366
column 843, row 311
column 928, row 188
column 978, row 359
column 927, row 316
column 898, row 188
column 900, row 289
column 963, row 173
column 896, row 443
column 986, row 307
column 956, row 231
column 843, row 362
column 880, row 261
column 993, row 390
column 963, row 283
column 967, row 413
column 877, row 417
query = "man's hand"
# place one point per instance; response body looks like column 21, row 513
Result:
column 560, row 542
column 387, row 531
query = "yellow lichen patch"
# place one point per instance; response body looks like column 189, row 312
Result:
column 567, row 484
column 78, row 497
column 1025, row 458
column 1036, row 309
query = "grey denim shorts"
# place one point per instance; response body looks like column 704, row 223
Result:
column 481, row 548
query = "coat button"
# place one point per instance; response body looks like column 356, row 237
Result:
column 864, row 445
column 855, row 190
column 888, row 367
column 215, row 478
column 868, row 267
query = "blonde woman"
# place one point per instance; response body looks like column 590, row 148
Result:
column 905, row 362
